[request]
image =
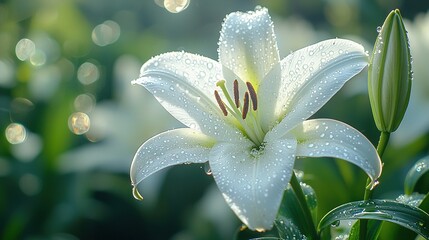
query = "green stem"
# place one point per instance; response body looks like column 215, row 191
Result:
column 381, row 146
column 296, row 186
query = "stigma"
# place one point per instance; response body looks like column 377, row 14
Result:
column 245, row 111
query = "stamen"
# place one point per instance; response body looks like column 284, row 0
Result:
column 220, row 103
column 253, row 95
column 245, row 105
column 236, row 94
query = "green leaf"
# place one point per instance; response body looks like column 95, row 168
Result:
column 402, row 214
column 415, row 173
column 292, row 211
column 266, row 238
column 424, row 205
column 374, row 228
column 287, row 229
column 413, row 199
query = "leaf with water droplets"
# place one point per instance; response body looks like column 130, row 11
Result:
column 415, row 173
column 331, row 138
column 173, row 147
column 247, row 45
column 253, row 183
column 287, row 229
column 402, row 214
column 290, row 220
column 309, row 78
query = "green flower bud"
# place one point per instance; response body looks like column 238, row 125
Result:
column 389, row 74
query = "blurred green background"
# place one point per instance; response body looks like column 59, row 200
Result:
column 70, row 121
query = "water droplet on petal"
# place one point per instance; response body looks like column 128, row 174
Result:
column 207, row 168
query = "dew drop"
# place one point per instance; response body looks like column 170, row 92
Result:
column 207, row 169
column 378, row 29
column 335, row 224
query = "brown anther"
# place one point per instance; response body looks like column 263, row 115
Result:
column 245, row 106
column 220, row 103
column 236, row 94
column 253, row 96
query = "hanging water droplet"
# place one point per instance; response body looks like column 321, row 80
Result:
column 373, row 184
column 379, row 29
column 335, row 224
column 207, row 168
column 176, row 6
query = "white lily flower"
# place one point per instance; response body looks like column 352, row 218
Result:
column 247, row 113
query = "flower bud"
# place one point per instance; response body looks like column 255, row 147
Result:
column 389, row 74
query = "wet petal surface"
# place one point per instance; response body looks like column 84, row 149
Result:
column 247, row 45
column 184, row 84
column 251, row 181
column 173, row 147
column 310, row 77
column 331, row 138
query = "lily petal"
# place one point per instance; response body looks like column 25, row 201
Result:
column 331, row 138
column 184, row 84
column 173, row 147
column 247, row 45
column 253, row 185
column 310, row 77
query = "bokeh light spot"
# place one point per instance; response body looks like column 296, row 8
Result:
column 24, row 49
column 88, row 73
column 29, row 184
column 5, row 167
column 7, row 71
column 176, row 6
column 15, row 133
column 79, row 123
column 44, row 82
column 29, row 149
column 106, row 33
column 38, row 58
column 84, row 103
